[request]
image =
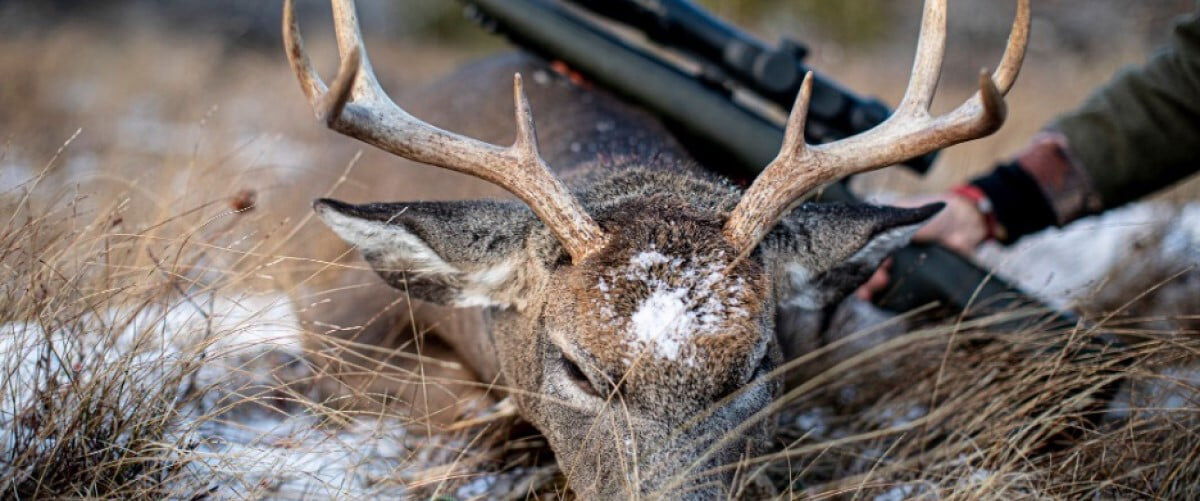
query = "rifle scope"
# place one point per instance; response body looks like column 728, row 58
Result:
column 730, row 57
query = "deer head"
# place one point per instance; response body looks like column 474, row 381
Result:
column 634, row 318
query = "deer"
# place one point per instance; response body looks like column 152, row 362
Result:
column 628, row 298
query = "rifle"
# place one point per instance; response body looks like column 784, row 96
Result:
column 704, row 104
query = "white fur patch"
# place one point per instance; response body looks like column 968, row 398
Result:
column 803, row 296
column 1048, row 264
column 480, row 287
column 390, row 241
column 884, row 243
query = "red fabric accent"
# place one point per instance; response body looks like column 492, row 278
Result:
column 575, row 77
column 980, row 200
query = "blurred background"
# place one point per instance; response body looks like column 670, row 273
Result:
column 182, row 101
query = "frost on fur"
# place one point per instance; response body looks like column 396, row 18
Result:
column 681, row 303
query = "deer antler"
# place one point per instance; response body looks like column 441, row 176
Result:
column 358, row 107
column 910, row 132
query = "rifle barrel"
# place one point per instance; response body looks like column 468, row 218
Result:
column 678, row 98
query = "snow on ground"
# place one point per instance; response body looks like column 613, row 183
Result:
column 147, row 340
column 247, row 345
column 978, row 480
column 1064, row 265
column 1173, row 390
column 240, row 345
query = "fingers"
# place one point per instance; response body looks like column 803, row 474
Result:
column 960, row 227
column 877, row 283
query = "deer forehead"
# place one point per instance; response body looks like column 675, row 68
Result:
column 654, row 307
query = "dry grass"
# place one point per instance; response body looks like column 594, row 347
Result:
column 128, row 379
column 90, row 410
column 147, row 352
column 993, row 415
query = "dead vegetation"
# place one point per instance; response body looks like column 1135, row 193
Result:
column 147, row 342
column 126, row 378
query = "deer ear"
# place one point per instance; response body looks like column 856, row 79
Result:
column 822, row 252
column 468, row 253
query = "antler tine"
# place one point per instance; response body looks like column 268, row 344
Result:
column 358, row 107
column 349, row 36
column 310, row 81
column 526, row 142
column 1014, row 52
column 327, row 103
column 927, row 65
column 794, row 144
column 909, row 133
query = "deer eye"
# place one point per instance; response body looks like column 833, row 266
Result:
column 578, row 377
column 760, row 371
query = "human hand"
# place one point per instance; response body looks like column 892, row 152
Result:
column 960, row 227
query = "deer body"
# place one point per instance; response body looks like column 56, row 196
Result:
column 629, row 298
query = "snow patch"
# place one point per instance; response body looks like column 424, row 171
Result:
column 899, row 493
column 1063, row 265
column 647, row 259
column 148, row 342
column 664, row 321
column 685, row 300
column 814, row 421
column 238, row 346
column 899, row 417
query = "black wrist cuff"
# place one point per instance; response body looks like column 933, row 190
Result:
column 1020, row 206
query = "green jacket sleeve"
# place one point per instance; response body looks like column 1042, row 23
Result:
column 1141, row 132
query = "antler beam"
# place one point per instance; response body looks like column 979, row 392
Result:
column 358, row 107
column 910, row 132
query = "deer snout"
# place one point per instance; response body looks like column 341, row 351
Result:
column 625, row 453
